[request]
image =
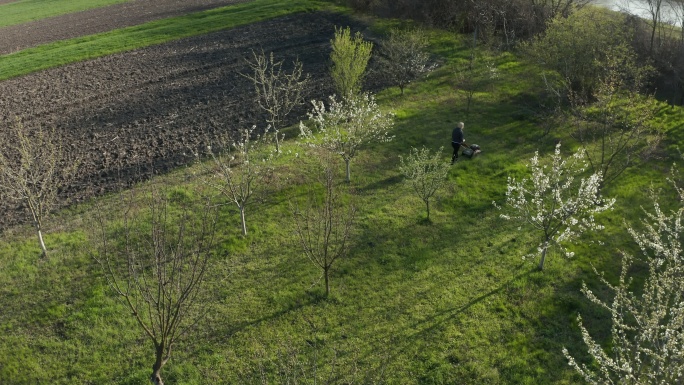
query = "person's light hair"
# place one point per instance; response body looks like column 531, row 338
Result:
column 460, row 125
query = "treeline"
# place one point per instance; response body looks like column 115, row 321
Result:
column 510, row 19
column 654, row 40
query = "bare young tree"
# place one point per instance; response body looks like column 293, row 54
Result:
column 155, row 255
column 349, row 57
column 33, row 169
column 324, row 224
column 427, row 172
column 277, row 91
column 404, row 56
column 467, row 83
column 239, row 169
column 555, row 201
column 647, row 331
column 347, row 125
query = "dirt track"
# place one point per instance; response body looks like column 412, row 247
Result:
column 17, row 37
column 135, row 114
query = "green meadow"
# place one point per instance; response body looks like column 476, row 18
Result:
column 23, row 11
column 446, row 301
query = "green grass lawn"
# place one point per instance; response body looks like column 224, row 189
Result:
column 155, row 32
column 449, row 301
column 23, row 11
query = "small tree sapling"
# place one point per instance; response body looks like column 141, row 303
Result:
column 240, row 168
column 427, row 172
column 345, row 126
column 349, row 57
column 277, row 91
column 324, row 222
column 33, row 169
column 404, row 56
column 155, row 255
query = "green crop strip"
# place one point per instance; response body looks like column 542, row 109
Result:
column 29, row 10
column 156, row 32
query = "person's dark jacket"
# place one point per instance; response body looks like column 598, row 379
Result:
column 457, row 135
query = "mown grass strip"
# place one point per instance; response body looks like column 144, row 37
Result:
column 30, row 10
column 156, row 32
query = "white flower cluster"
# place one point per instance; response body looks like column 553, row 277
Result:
column 243, row 167
column 346, row 125
column 555, row 200
column 647, row 331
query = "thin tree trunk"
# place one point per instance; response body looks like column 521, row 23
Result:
column 42, row 243
column 346, row 161
column 37, row 223
column 242, row 217
column 326, row 273
column 427, row 205
column 277, row 140
column 655, row 13
column 543, row 256
column 39, row 230
column 155, row 378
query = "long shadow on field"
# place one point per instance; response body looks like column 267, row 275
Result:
column 221, row 332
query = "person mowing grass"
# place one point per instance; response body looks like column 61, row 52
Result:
column 457, row 140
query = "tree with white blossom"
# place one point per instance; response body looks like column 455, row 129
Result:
column 647, row 333
column 556, row 200
column 239, row 169
column 345, row 126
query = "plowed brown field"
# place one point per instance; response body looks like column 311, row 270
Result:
column 96, row 20
column 136, row 114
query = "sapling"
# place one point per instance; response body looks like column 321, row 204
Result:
column 556, row 200
column 349, row 57
column 240, row 168
column 324, row 222
column 155, row 254
column 345, row 126
column 427, row 172
column 33, row 169
column 277, row 91
column 616, row 128
column 404, row 57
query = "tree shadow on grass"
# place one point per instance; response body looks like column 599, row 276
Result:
column 220, row 332
column 382, row 184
